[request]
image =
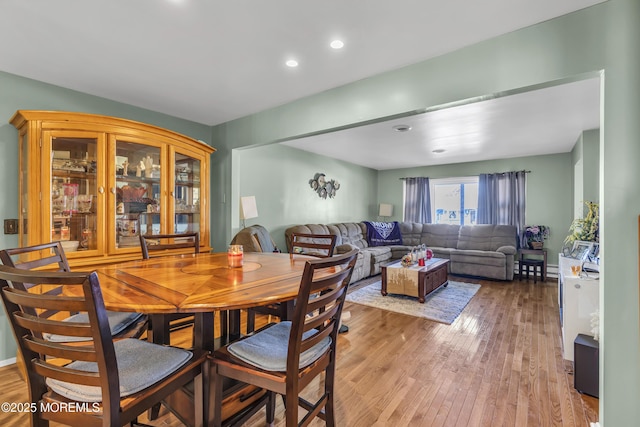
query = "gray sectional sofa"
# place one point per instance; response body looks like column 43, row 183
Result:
column 477, row 250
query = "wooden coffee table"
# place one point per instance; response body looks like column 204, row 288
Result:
column 414, row 281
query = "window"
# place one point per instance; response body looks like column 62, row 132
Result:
column 454, row 200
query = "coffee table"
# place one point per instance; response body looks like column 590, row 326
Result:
column 415, row 281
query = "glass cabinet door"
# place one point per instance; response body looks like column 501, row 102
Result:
column 138, row 192
column 74, row 188
column 186, row 194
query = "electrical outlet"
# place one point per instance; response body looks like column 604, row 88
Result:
column 10, row 226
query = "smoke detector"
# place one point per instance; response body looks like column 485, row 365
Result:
column 401, row 128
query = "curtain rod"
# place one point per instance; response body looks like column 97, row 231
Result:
column 468, row 176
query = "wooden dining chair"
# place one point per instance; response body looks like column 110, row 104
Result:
column 318, row 245
column 51, row 256
column 161, row 244
column 285, row 357
column 103, row 382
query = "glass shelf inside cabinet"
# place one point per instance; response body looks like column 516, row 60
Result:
column 138, row 186
column 73, row 192
column 187, row 194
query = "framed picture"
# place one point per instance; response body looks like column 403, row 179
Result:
column 581, row 250
column 594, row 253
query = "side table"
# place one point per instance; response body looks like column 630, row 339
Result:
column 524, row 254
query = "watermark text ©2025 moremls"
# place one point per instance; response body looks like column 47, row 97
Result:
column 21, row 407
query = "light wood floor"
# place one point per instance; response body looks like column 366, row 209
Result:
column 499, row 364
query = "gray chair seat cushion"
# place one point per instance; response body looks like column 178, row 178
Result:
column 268, row 348
column 140, row 365
column 118, row 322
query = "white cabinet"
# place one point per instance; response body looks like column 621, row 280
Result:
column 579, row 297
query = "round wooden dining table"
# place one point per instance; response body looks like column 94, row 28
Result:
column 201, row 284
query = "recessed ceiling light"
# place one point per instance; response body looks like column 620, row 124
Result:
column 401, row 128
column 438, row 150
column 337, row 44
column 292, row 63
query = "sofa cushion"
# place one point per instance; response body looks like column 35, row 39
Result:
column 478, row 257
column 486, row 237
column 411, row 233
column 350, row 232
column 362, row 269
column 378, row 254
column 398, row 251
column 444, row 253
column 440, row 235
column 507, row 250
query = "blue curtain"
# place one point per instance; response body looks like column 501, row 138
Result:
column 502, row 199
column 417, row 202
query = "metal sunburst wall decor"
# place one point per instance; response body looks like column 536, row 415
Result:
column 324, row 187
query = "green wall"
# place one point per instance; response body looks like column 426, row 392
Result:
column 549, row 189
column 591, row 162
column 278, row 176
column 586, row 154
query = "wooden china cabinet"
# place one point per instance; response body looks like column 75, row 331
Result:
column 96, row 182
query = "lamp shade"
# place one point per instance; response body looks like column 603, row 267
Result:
column 248, row 207
column 386, row 209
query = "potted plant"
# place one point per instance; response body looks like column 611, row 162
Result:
column 535, row 236
column 585, row 229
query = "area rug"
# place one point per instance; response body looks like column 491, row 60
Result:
column 443, row 305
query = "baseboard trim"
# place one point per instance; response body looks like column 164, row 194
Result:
column 7, row 362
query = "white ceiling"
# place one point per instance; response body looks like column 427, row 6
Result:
column 536, row 122
column 212, row 61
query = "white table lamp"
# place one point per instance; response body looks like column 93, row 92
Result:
column 386, row 210
column 248, row 208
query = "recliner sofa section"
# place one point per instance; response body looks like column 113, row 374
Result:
column 475, row 250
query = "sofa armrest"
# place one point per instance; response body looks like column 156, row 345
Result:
column 344, row 248
column 507, row 250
